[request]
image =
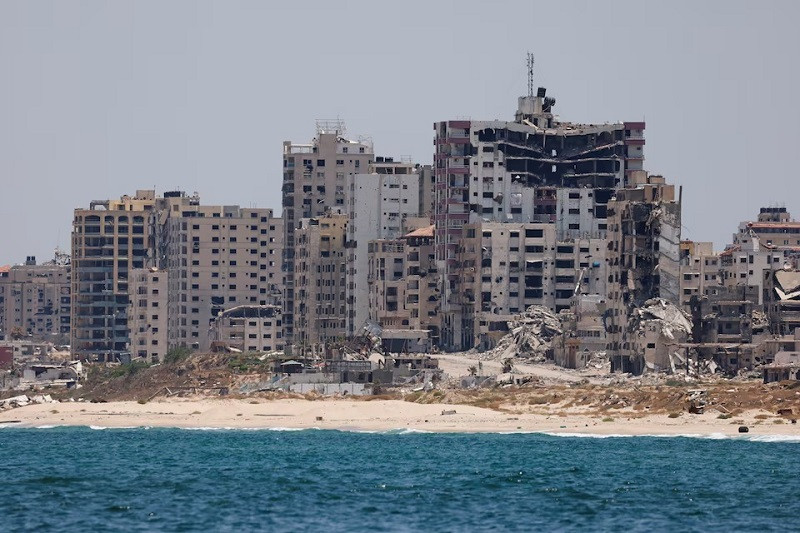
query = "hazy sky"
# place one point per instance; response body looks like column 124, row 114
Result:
column 98, row 99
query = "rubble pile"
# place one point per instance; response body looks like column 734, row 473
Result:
column 23, row 400
column 673, row 321
column 530, row 336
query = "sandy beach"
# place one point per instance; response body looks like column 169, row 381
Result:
column 377, row 415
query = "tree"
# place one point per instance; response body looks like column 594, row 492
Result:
column 473, row 370
column 508, row 365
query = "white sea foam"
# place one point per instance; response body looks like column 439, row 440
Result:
column 229, row 428
column 709, row 436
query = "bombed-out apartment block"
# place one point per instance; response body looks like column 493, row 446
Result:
column 320, row 282
column 785, row 364
column 584, row 332
column 729, row 328
column 536, row 168
column 147, row 314
column 248, row 328
column 643, row 263
column 404, row 291
column 35, row 300
column 768, row 243
column 384, row 203
column 217, row 257
column 782, row 300
column 726, row 316
column 315, row 178
column 503, row 268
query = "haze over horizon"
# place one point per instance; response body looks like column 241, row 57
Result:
column 101, row 99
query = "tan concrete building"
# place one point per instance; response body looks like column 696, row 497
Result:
column 147, row 314
column 35, row 300
column 699, row 270
column 249, row 328
column 643, row 262
column 320, row 282
column 384, row 204
column 217, row 257
column 109, row 239
column 315, row 177
column 404, row 290
column 535, row 169
column 507, row 267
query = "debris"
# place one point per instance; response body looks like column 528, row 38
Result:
column 697, row 401
column 530, row 336
column 671, row 318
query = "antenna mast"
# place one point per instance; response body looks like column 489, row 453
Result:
column 530, row 74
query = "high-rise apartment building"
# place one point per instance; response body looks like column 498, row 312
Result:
column 533, row 169
column 643, row 261
column 109, row 239
column 35, row 300
column 320, row 282
column 315, row 177
column 506, row 267
column 383, row 202
column 217, row 257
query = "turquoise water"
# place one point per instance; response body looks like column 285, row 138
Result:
column 79, row 479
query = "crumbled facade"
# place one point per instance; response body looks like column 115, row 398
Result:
column 249, row 328
column 536, row 169
column 643, row 264
column 782, row 301
column 504, row 268
column 404, row 290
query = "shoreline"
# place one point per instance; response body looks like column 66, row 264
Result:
column 385, row 416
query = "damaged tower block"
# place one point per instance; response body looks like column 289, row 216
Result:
column 644, row 264
column 536, row 169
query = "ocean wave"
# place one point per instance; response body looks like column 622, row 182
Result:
column 230, row 428
column 708, row 436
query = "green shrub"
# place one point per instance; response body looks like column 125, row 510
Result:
column 129, row 369
column 177, row 355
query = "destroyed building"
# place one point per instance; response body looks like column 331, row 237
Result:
column 584, row 334
column 504, row 268
column 782, row 300
column 643, row 264
column 725, row 316
column 249, row 328
column 535, row 169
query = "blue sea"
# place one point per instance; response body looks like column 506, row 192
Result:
column 71, row 479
